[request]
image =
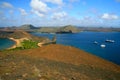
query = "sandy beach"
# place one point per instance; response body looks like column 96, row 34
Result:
column 17, row 42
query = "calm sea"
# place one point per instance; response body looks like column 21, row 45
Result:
column 5, row 43
column 85, row 41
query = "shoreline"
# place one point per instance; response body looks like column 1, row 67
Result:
column 40, row 44
column 14, row 45
column 17, row 42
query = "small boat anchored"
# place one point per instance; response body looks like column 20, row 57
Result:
column 111, row 41
column 102, row 45
column 95, row 42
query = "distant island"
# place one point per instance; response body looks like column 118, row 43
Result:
column 31, row 28
column 62, row 29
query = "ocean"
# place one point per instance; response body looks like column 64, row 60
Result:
column 5, row 43
column 85, row 41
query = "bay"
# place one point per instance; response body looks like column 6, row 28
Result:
column 5, row 43
column 85, row 41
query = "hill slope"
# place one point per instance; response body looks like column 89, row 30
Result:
column 17, row 34
column 64, row 29
column 27, row 27
column 55, row 62
column 69, row 28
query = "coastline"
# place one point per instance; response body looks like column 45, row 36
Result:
column 88, row 46
column 14, row 45
column 17, row 42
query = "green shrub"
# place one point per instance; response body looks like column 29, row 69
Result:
column 28, row 44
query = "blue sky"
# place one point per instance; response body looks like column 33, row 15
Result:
column 105, row 13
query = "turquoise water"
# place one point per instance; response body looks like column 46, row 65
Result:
column 84, row 41
column 5, row 43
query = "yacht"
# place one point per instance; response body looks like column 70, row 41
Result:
column 112, row 41
column 102, row 45
column 95, row 42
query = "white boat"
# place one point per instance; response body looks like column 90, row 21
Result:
column 112, row 41
column 102, row 45
column 95, row 42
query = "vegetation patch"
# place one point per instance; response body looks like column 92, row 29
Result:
column 28, row 44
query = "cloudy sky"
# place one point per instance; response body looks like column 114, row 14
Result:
column 105, row 13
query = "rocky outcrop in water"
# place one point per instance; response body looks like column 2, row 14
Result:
column 68, row 29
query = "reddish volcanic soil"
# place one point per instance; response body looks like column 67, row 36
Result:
column 55, row 62
column 68, row 54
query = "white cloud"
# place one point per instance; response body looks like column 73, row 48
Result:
column 38, row 7
column 22, row 11
column 59, row 15
column 58, row 2
column 108, row 16
column 6, row 5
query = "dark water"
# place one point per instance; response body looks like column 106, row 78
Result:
column 84, row 41
column 5, row 43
